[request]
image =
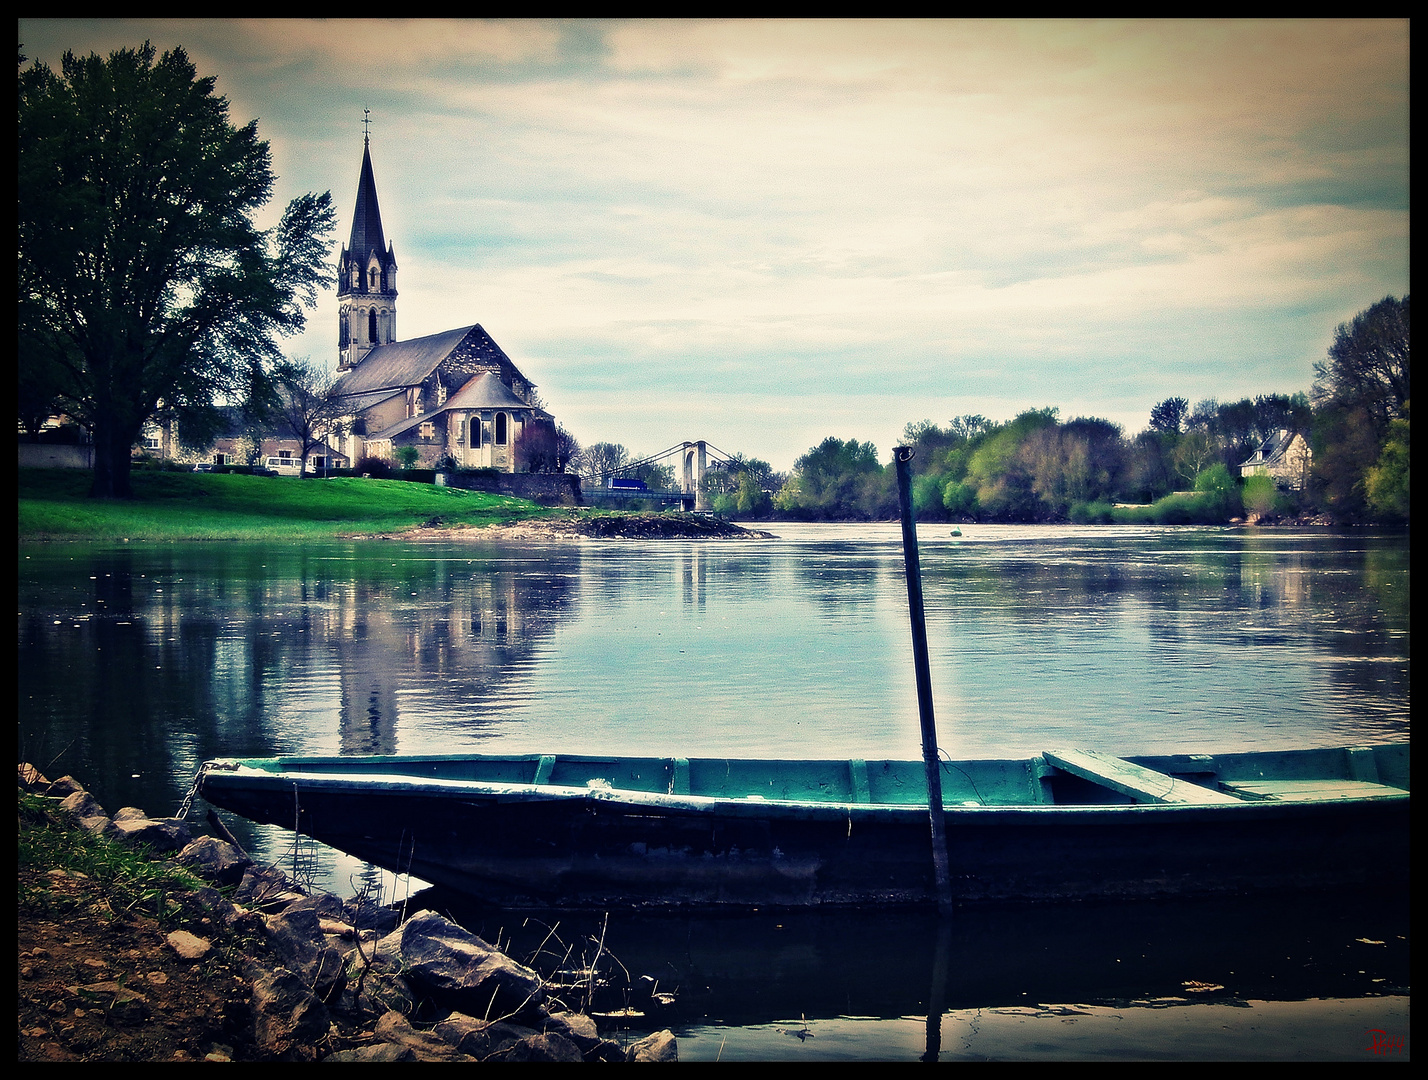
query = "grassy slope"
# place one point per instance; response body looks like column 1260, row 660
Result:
column 54, row 504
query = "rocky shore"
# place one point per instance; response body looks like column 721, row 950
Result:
column 249, row 967
column 576, row 525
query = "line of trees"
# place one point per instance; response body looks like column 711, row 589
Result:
column 1183, row 468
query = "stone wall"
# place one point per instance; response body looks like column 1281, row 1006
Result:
column 539, row 487
column 55, row 456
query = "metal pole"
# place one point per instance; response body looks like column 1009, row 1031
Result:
column 903, row 456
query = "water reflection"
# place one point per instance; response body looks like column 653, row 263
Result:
column 145, row 659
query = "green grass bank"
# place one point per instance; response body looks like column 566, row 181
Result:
column 54, row 504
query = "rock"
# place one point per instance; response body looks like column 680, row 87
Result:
column 383, row 1051
column 463, row 972
column 577, row 1027
column 296, row 936
column 215, row 860
column 189, row 946
column 89, row 813
column 288, row 1021
column 396, row 1028
column 479, row 1038
column 63, row 787
column 542, row 1048
column 267, row 889
column 660, row 1046
column 164, row 834
column 31, row 779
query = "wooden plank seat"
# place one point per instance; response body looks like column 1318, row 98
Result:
column 1136, row 781
column 1306, row 790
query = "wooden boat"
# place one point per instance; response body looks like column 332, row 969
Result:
column 596, row 832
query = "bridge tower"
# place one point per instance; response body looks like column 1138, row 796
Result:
column 694, row 460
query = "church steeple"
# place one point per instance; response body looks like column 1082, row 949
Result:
column 366, row 277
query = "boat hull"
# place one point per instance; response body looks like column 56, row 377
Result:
column 519, row 844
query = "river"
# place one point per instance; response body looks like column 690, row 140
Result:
column 138, row 661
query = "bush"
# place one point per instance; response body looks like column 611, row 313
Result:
column 1260, row 496
column 1092, row 513
column 377, row 467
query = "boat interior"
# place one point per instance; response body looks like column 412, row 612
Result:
column 1053, row 778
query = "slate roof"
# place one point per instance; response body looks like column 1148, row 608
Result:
column 366, row 218
column 406, row 363
column 485, row 391
column 400, row 364
column 1271, row 451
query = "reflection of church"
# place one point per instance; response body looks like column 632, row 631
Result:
column 453, row 395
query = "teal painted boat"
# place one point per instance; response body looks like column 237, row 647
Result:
column 599, row 832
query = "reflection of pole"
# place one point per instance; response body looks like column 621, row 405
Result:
column 903, row 456
column 937, row 993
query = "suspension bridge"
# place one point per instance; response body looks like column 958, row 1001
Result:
column 691, row 461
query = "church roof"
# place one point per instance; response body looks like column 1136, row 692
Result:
column 485, row 391
column 366, row 218
column 406, row 363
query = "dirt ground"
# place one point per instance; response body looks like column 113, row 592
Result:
column 97, row 984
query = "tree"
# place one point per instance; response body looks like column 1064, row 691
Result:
column 1367, row 365
column 1170, row 416
column 1386, row 483
column 602, row 460
column 142, row 277
column 306, row 407
column 1360, row 394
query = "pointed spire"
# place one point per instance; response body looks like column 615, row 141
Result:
column 366, row 218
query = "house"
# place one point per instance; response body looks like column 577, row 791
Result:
column 1285, row 456
column 454, row 395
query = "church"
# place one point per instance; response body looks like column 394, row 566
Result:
column 454, row 396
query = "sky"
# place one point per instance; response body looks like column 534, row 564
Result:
column 763, row 233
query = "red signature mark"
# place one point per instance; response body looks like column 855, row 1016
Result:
column 1381, row 1042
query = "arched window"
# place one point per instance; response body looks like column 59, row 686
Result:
column 372, row 325
column 500, row 429
column 372, row 276
column 474, row 431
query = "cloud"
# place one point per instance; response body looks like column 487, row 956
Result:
column 847, row 222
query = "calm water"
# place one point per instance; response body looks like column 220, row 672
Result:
column 139, row 661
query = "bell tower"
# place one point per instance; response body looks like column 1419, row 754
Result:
column 366, row 277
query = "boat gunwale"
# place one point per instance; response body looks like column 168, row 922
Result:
column 508, row 791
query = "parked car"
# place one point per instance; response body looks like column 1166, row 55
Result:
column 203, row 466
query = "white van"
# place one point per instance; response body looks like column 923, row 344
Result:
column 284, row 466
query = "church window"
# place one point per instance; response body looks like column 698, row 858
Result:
column 501, row 429
column 372, row 326
column 372, row 277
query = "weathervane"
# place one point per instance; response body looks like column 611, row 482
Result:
column 366, row 124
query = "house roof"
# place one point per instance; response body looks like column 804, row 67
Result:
column 407, row 363
column 1272, row 450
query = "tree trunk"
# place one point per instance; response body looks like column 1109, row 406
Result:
column 111, row 462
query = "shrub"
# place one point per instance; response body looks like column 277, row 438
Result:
column 1092, row 513
column 373, row 466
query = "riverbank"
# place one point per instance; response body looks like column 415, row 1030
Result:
column 594, row 525
column 172, row 506
column 142, row 941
